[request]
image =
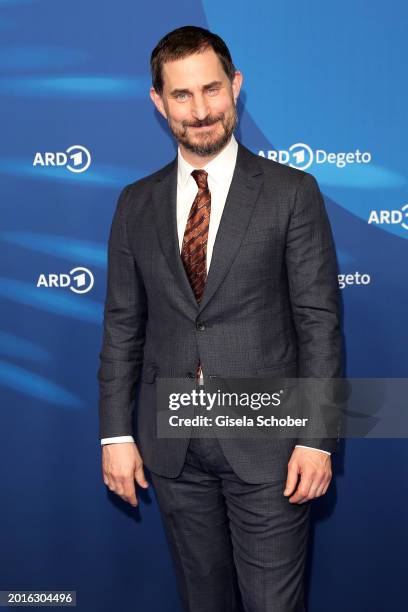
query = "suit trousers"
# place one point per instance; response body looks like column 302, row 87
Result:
column 236, row 546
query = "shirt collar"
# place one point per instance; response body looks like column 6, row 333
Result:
column 218, row 168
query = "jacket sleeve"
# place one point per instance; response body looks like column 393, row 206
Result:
column 123, row 330
column 315, row 301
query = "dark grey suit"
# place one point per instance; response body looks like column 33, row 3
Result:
column 270, row 305
column 270, row 308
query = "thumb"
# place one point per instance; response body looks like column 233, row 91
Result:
column 291, row 480
column 140, row 477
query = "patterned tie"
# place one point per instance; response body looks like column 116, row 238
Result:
column 194, row 248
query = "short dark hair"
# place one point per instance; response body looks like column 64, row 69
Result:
column 185, row 41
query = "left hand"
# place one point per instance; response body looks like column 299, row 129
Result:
column 315, row 472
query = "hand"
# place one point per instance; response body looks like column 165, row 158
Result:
column 315, row 472
column 121, row 466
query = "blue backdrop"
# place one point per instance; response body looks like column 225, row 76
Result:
column 324, row 85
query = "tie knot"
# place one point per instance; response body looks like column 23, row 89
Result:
column 200, row 177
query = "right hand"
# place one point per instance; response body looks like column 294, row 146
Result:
column 121, row 466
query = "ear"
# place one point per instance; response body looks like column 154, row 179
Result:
column 236, row 84
column 158, row 102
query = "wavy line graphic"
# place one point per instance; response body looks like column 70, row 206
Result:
column 26, row 382
column 29, row 57
column 103, row 176
column 15, row 346
column 76, row 86
column 55, row 301
column 90, row 253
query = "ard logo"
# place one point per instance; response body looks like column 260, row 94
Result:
column 76, row 159
column 78, row 280
column 390, row 217
column 302, row 156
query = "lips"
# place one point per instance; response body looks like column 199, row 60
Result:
column 203, row 127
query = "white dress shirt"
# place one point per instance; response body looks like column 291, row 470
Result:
column 220, row 171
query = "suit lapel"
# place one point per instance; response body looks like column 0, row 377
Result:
column 242, row 195
column 244, row 189
column 164, row 197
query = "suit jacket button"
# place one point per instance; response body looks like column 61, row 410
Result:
column 200, row 326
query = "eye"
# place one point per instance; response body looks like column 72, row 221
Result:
column 213, row 90
column 180, row 96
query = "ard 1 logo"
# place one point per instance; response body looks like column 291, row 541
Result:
column 75, row 159
column 302, row 156
column 78, row 280
column 390, row 217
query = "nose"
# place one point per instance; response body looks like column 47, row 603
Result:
column 200, row 109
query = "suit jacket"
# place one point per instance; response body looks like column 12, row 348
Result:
column 270, row 305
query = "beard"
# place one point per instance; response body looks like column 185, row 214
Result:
column 207, row 143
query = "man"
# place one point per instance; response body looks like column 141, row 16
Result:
column 220, row 264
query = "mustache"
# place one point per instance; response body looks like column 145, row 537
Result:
column 204, row 123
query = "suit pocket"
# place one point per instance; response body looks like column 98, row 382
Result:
column 149, row 373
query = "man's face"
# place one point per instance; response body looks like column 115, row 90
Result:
column 199, row 102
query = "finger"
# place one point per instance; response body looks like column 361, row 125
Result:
column 130, row 493
column 140, row 477
column 316, row 485
column 115, row 485
column 320, row 489
column 107, row 478
column 324, row 485
column 124, row 487
column 105, row 474
column 292, row 479
column 313, row 490
column 323, row 488
column 303, row 489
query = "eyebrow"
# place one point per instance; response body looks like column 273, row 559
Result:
column 176, row 92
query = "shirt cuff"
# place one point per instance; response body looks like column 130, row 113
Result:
column 318, row 449
column 117, row 439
